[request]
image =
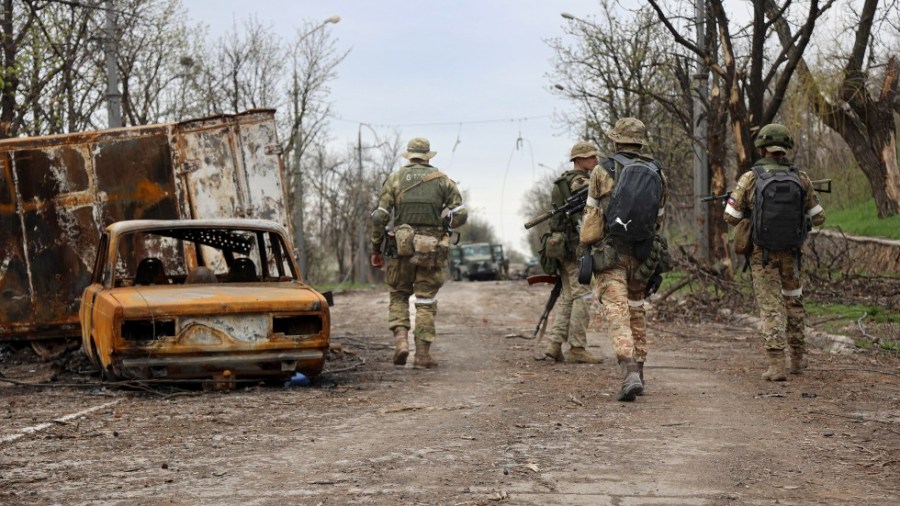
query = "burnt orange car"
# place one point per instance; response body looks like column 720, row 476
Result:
column 195, row 299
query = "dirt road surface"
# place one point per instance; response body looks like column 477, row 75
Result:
column 490, row 425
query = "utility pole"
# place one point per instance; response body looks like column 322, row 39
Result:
column 361, row 259
column 113, row 97
column 701, row 143
column 298, row 225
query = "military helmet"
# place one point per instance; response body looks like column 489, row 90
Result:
column 774, row 137
column 419, row 148
column 583, row 149
column 629, row 131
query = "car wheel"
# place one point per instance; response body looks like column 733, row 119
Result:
column 49, row 349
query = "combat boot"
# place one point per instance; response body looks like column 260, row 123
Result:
column 554, row 351
column 401, row 345
column 631, row 385
column 582, row 356
column 641, row 375
column 423, row 357
column 798, row 361
column 776, row 366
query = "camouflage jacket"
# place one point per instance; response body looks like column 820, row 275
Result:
column 418, row 195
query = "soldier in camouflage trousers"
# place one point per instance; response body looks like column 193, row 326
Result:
column 574, row 305
column 776, row 274
column 618, row 288
column 424, row 204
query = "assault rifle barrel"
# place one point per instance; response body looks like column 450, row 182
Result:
column 574, row 204
column 819, row 185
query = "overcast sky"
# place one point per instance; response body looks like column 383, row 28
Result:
column 470, row 75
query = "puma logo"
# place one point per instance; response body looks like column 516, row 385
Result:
column 624, row 225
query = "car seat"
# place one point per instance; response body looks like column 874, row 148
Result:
column 150, row 271
column 243, row 270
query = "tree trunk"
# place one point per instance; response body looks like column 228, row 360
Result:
column 865, row 122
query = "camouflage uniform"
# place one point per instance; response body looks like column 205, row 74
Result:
column 617, row 288
column 777, row 283
column 417, row 195
column 573, row 307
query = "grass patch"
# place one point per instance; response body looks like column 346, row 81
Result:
column 852, row 312
column 862, row 219
column 889, row 345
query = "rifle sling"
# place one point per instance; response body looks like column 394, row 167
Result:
column 430, row 177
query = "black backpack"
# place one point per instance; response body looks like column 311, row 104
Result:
column 779, row 215
column 634, row 205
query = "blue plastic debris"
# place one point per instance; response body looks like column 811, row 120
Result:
column 297, row 380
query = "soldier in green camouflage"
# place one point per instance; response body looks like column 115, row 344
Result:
column 618, row 288
column 424, row 204
column 574, row 304
column 776, row 274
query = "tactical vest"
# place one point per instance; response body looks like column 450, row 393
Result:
column 779, row 215
column 419, row 203
column 562, row 190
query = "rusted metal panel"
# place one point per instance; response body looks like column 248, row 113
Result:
column 57, row 193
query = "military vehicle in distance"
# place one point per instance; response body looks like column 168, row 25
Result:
column 479, row 260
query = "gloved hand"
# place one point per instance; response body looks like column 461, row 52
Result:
column 653, row 284
column 377, row 260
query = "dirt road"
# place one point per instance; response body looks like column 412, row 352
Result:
column 489, row 426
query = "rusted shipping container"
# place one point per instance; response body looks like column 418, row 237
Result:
column 58, row 192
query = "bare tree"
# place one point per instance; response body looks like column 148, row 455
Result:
column 314, row 60
column 859, row 109
column 242, row 70
column 48, row 80
column 155, row 57
column 755, row 80
column 537, row 201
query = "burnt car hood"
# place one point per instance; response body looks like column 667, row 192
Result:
column 222, row 298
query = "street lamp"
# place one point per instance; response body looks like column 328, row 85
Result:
column 300, row 232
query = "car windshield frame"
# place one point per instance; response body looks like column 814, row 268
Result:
column 201, row 245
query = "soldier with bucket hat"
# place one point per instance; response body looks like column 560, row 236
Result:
column 424, row 205
column 617, row 255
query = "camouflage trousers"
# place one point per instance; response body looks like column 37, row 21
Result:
column 405, row 280
column 573, row 309
column 779, row 295
column 622, row 297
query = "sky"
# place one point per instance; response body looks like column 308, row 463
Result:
column 472, row 76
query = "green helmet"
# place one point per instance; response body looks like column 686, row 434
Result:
column 774, row 134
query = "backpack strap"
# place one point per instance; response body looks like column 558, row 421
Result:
column 610, row 166
column 624, row 160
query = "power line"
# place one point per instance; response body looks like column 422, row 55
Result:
column 443, row 123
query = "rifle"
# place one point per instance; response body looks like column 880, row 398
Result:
column 575, row 203
column 554, row 294
column 819, row 185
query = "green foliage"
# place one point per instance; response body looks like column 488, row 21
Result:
column 889, row 345
column 861, row 218
column 852, row 312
